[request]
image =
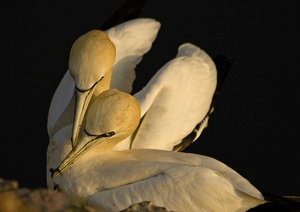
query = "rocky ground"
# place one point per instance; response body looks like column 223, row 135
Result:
column 15, row 199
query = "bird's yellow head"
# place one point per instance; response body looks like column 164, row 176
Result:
column 91, row 57
column 112, row 117
column 90, row 64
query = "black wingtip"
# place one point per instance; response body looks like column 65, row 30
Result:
column 223, row 65
column 280, row 199
column 131, row 9
column 277, row 203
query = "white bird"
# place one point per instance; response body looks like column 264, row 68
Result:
column 114, row 180
column 176, row 99
column 94, row 55
column 173, row 103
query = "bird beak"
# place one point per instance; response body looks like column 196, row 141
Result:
column 82, row 146
column 82, row 101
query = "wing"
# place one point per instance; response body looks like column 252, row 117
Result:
column 175, row 185
column 61, row 110
column 223, row 65
column 131, row 9
column 132, row 40
column 175, row 100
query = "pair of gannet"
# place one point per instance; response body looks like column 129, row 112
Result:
column 119, row 152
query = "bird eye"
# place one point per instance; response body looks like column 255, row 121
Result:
column 106, row 135
column 89, row 89
column 109, row 134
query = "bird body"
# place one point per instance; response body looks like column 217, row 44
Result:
column 114, row 180
column 178, row 181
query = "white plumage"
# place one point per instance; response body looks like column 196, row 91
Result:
column 115, row 180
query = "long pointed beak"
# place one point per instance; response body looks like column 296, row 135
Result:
column 82, row 101
column 82, row 146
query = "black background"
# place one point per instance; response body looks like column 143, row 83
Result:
column 254, row 128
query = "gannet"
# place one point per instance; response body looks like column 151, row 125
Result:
column 114, row 180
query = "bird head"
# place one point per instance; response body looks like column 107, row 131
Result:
column 90, row 64
column 112, row 117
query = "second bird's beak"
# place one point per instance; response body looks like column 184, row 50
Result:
column 82, row 146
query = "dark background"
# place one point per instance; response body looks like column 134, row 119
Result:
column 255, row 126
